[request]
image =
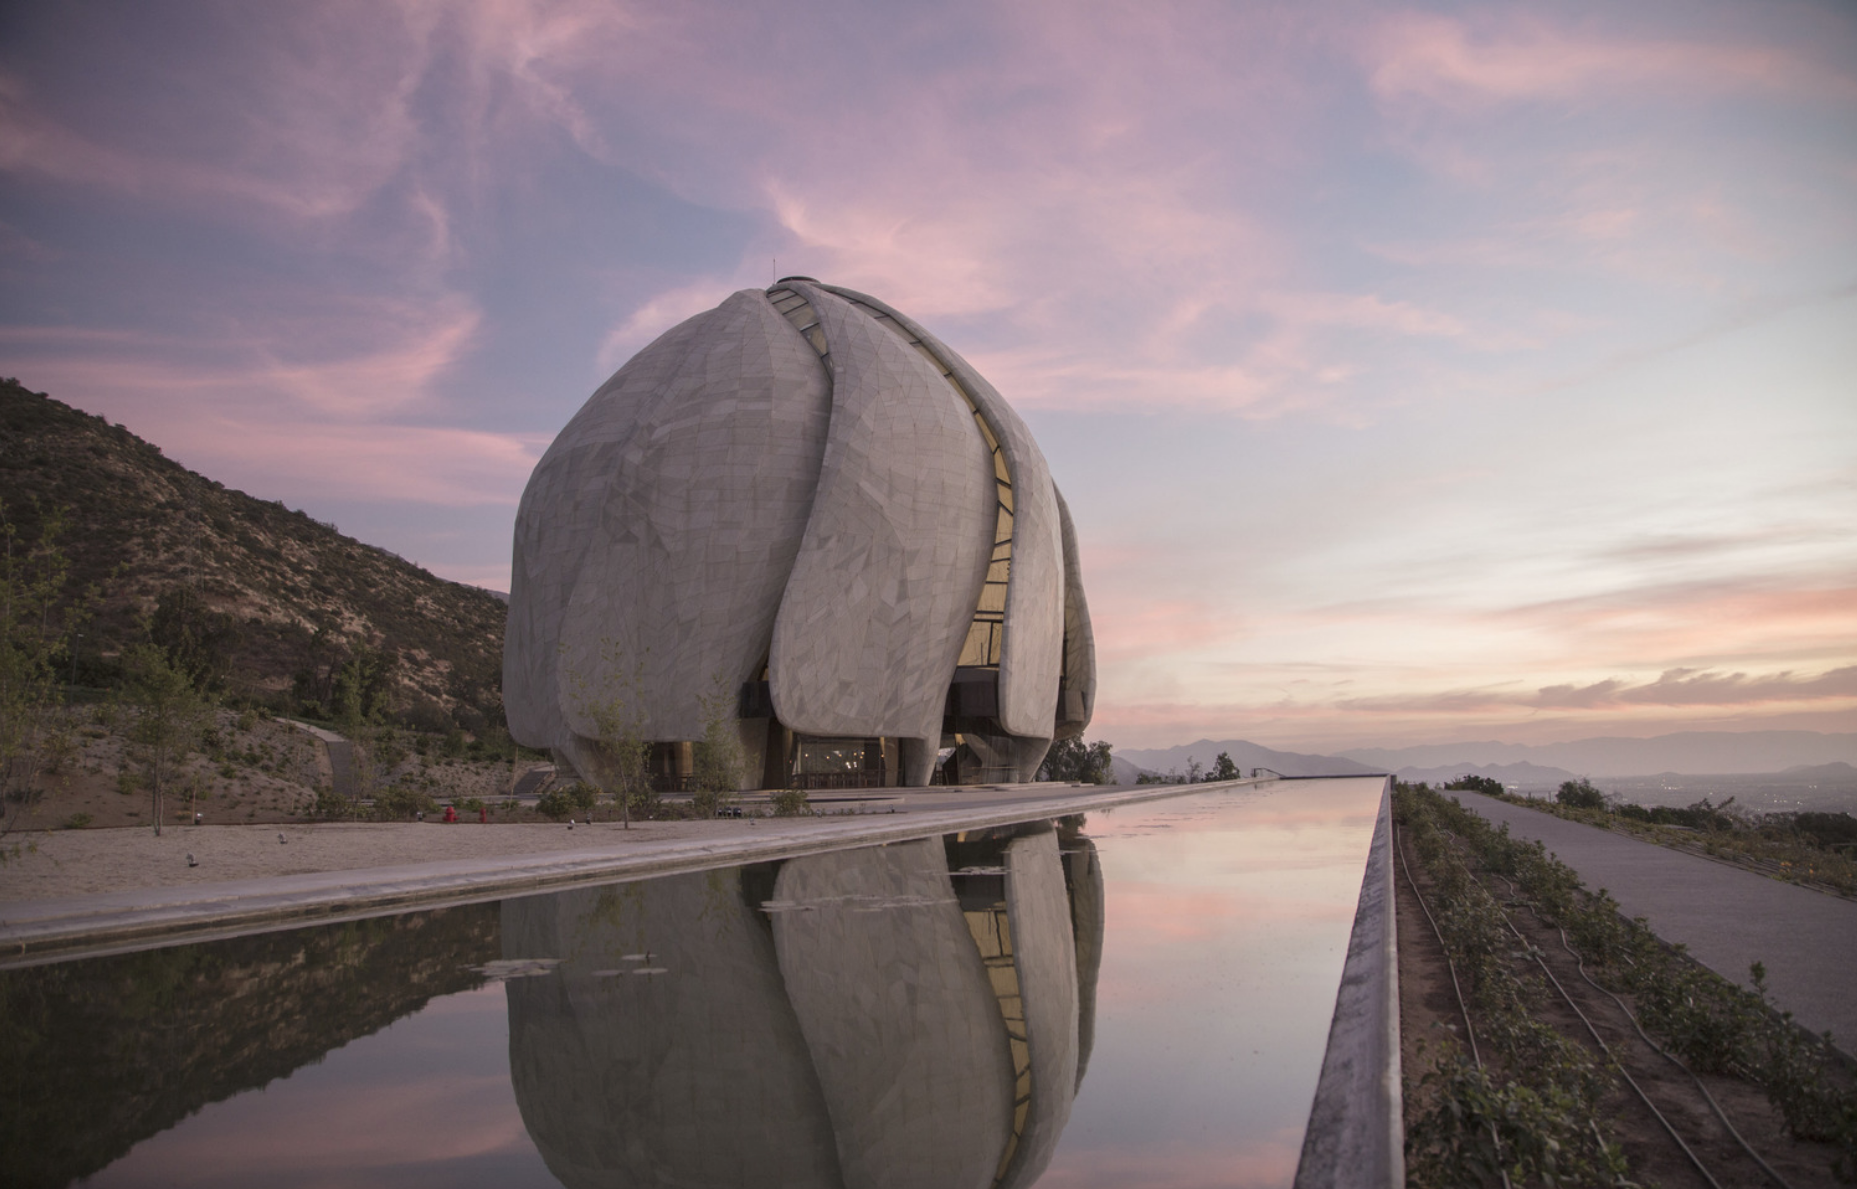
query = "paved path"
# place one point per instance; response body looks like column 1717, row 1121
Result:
column 1729, row 918
column 43, row 930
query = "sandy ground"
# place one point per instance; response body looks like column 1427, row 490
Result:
column 56, row 864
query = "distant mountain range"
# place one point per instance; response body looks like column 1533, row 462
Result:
column 1522, row 775
column 1246, row 755
column 1711, row 752
column 1799, row 755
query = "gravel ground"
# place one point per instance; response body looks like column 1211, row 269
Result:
column 59, row 864
column 55, row 864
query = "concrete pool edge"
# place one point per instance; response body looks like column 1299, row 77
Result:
column 1356, row 1131
column 36, row 932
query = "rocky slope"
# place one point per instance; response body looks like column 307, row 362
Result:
column 275, row 600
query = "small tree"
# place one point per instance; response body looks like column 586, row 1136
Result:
column 168, row 715
column 1074, row 760
column 620, row 753
column 200, row 642
column 1223, row 768
column 362, row 687
column 1580, row 794
column 719, row 761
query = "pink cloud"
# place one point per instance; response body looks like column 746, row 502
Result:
column 353, row 359
column 206, row 419
column 658, row 314
column 1441, row 59
column 443, row 465
column 324, row 133
column 1145, row 622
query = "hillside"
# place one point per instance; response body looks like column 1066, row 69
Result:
column 275, row 603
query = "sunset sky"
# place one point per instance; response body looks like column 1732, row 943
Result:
column 1413, row 373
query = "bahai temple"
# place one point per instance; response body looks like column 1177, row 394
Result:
column 803, row 511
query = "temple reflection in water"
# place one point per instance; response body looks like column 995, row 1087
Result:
column 912, row 1014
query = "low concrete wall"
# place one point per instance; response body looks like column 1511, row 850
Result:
column 1356, row 1134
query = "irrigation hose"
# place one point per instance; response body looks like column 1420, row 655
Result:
column 1603, row 1047
column 1606, row 1049
column 1463, row 1009
column 1579, row 964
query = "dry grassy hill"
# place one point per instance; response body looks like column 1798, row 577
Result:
column 276, row 602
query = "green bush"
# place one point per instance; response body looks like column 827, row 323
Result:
column 790, row 803
column 1469, row 783
column 1827, row 830
column 329, row 806
column 398, row 802
column 1580, row 794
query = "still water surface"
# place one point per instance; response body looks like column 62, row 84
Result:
column 1141, row 997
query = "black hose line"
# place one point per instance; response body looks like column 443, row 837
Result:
column 1579, row 964
column 1463, row 1009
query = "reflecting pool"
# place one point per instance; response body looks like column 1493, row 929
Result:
column 1139, row 996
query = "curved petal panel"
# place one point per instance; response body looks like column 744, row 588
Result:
column 896, row 548
column 1034, row 636
column 623, row 1078
column 664, row 521
column 1044, row 953
column 559, row 512
column 903, row 1027
column 1084, row 872
column 1079, row 636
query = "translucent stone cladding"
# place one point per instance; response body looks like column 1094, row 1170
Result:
column 1034, row 647
column 624, row 1078
column 896, row 550
column 829, row 1021
column 912, row 1058
column 657, row 533
column 808, row 481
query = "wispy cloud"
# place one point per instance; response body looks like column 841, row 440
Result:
column 1474, row 351
column 1688, row 687
column 1507, row 57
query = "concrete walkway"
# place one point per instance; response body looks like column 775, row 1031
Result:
column 1729, row 918
column 34, row 931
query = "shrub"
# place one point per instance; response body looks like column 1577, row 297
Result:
column 1074, row 760
column 398, row 801
column 555, row 803
column 330, row 806
column 1827, row 830
column 790, row 803
column 720, row 764
column 1470, row 783
column 1580, row 794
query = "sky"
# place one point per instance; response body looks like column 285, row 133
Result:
column 1413, row 373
